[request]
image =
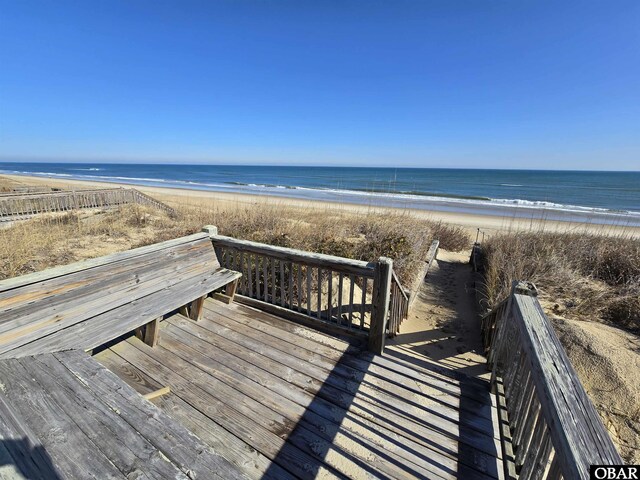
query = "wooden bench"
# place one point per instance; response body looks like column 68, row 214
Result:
column 89, row 303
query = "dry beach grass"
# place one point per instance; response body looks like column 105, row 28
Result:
column 583, row 276
column 55, row 239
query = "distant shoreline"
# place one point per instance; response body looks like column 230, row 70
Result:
column 609, row 198
column 488, row 224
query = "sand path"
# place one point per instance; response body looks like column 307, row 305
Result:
column 443, row 326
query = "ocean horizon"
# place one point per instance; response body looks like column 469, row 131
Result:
column 581, row 196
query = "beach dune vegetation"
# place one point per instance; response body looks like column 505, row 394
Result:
column 55, row 239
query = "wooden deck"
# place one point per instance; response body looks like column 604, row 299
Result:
column 64, row 415
column 279, row 400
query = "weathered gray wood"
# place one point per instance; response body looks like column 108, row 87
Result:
column 548, row 404
column 243, row 456
column 314, row 414
column 179, row 445
column 108, row 433
column 294, row 316
column 19, row 330
column 50, row 273
column 381, row 286
column 22, row 448
column 352, row 283
column 242, row 425
column 375, row 400
column 271, row 411
column 576, row 430
column 340, row 284
column 114, row 323
column 73, row 454
column 338, row 264
column 34, row 203
column 431, row 256
column 252, row 353
column 149, row 332
column 56, row 306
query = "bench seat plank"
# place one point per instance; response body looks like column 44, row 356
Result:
column 23, row 280
column 110, row 325
column 89, row 303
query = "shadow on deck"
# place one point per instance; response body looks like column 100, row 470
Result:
column 284, row 401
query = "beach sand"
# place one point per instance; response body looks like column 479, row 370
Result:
column 487, row 224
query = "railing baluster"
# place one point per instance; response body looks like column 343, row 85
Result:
column 299, row 296
column 538, row 456
column 273, row 281
column 319, row 312
column 330, row 295
column 364, row 301
column 258, row 260
column 290, row 297
column 265, row 276
column 282, row 284
column 340, row 285
column 308, row 267
column 250, row 274
column 351, row 288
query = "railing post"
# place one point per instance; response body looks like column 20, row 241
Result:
column 210, row 229
column 380, row 308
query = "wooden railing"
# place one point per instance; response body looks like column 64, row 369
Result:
column 398, row 306
column 346, row 295
column 555, row 431
column 144, row 199
column 431, row 256
column 15, row 205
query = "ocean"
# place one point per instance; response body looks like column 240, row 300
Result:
column 596, row 197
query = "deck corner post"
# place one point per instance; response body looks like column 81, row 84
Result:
column 524, row 288
column 380, row 308
column 210, row 229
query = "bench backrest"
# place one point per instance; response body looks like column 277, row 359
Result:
column 41, row 304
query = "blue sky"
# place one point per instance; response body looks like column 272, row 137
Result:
column 494, row 84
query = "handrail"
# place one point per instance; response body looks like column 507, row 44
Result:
column 555, row 429
column 345, row 265
column 345, row 295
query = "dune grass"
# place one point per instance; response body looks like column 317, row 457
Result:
column 582, row 276
column 51, row 240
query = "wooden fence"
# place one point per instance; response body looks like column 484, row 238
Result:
column 555, row 431
column 26, row 204
column 346, row 295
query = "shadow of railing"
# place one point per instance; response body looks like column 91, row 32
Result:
column 399, row 435
column 30, row 461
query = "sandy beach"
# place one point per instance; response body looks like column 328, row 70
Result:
column 225, row 201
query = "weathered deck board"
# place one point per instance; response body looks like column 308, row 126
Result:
column 308, row 403
column 252, row 462
column 66, row 416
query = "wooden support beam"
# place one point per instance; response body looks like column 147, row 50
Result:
column 195, row 311
column 149, row 333
column 230, row 289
